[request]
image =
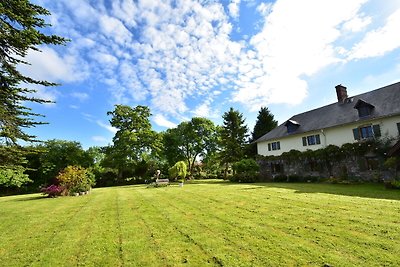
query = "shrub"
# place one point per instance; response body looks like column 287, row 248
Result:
column 245, row 171
column 76, row 179
column 245, row 177
column 280, row 178
column 53, row 190
column 245, row 166
column 16, row 177
column 295, row 178
column 179, row 170
column 393, row 184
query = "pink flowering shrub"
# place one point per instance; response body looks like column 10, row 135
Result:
column 53, row 190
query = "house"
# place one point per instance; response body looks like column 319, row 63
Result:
column 351, row 119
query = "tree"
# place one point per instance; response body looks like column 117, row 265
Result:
column 179, row 170
column 191, row 140
column 56, row 155
column 133, row 138
column 264, row 124
column 233, row 137
column 20, row 22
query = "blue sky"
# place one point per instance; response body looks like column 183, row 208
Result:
column 189, row 58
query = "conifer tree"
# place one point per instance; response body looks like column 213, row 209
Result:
column 233, row 137
column 20, row 24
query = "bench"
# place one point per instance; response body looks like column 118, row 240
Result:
column 160, row 182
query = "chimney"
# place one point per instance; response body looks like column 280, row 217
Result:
column 341, row 92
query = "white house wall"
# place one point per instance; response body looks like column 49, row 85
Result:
column 330, row 136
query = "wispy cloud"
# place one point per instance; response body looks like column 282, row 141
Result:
column 80, row 96
column 379, row 41
column 160, row 120
column 47, row 64
column 107, row 126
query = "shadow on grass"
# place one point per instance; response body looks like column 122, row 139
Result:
column 376, row 191
column 29, row 198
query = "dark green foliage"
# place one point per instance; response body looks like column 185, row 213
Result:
column 245, row 171
column 245, row 165
column 264, row 124
column 10, row 177
column 20, row 22
column 246, row 177
column 232, row 137
column 190, row 140
column 134, row 139
column 54, row 156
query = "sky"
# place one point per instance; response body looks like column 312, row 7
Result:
column 188, row 58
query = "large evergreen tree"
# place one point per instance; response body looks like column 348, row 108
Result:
column 233, row 137
column 20, row 24
column 265, row 123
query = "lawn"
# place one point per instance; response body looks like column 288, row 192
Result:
column 205, row 223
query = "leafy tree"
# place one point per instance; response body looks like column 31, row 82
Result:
column 233, row 137
column 191, row 140
column 55, row 156
column 20, row 24
column 13, row 177
column 133, row 139
column 264, row 124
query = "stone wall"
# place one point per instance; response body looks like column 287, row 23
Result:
column 352, row 168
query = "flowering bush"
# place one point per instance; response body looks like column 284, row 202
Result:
column 53, row 190
column 76, row 179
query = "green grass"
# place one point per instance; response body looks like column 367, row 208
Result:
column 205, row 223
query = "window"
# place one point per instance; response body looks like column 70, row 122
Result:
column 311, row 140
column 292, row 126
column 364, row 108
column 367, row 132
column 274, row 146
column 364, row 111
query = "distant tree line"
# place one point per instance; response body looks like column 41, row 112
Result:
column 137, row 151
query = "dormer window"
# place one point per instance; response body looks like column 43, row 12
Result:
column 292, row 126
column 364, row 108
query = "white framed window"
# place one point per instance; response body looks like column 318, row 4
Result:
column 311, row 140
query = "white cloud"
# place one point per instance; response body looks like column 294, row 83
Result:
column 49, row 65
column 105, row 58
column 80, row 95
column 233, row 8
column 108, row 127
column 287, row 50
column 160, row 120
column 379, row 41
column 357, row 23
column 115, row 29
column 264, row 8
column 46, row 93
column 170, row 54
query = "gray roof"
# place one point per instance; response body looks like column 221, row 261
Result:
column 385, row 102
